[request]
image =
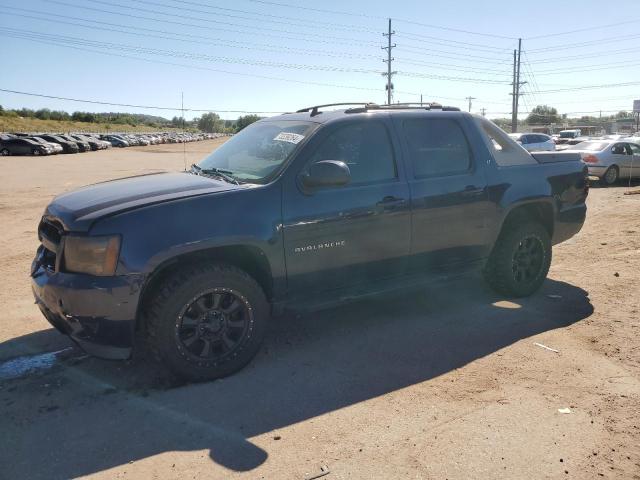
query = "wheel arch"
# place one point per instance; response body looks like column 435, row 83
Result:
column 248, row 258
column 537, row 210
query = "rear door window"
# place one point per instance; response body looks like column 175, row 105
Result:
column 437, row 147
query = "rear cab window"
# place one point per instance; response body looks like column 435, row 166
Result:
column 437, row 147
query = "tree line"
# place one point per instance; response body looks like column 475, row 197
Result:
column 209, row 122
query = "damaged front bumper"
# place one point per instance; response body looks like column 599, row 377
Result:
column 98, row 313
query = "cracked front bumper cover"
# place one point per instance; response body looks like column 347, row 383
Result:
column 98, row 313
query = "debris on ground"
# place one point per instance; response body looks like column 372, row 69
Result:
column 545, row 347
column 324, row 470
column 564, row 410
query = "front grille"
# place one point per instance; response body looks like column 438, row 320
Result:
column 50, row 235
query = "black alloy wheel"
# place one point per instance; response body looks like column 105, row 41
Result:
column 213, row 325
column 528, row 260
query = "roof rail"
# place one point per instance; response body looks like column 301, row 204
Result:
column 403, row 106
column 314, row 110
column 366, row 106
column 424, row 106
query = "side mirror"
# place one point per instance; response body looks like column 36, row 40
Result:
column 326, row 173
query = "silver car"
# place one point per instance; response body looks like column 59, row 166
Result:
column 534, row 142
column 610, row 160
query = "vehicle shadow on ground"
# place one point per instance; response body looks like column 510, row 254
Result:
column 97, row 414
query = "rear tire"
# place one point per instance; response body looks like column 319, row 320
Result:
column 5, row 152
column 611, row 176
column 520, row 260
column 207, row 321
column 35, row 151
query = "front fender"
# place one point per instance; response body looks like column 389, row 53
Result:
column 154, row 234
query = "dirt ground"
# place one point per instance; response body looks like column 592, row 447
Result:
column 446, row 383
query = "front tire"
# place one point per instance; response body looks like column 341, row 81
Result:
column 207, row 321
column 520, row 259
column 5, row 152
column 611, row 176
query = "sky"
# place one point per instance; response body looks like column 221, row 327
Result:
column 267, row 57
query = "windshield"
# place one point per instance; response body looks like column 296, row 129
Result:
column 258, row 151
column 590, row 146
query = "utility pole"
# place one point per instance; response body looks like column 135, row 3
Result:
column 483, row 111
column 388, row 61
column 514, row 117
column 184, row 145
column 420, row 99
column 470, row 98
column 516, row 87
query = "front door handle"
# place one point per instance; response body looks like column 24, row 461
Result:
column 472, row 191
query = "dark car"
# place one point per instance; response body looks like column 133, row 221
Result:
column 67, row 146
column 55, row 147
column 23, row 146
column 83, row 145
column 94, row 143
column 298, row 212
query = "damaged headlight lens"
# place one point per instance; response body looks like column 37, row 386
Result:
column 91, row 255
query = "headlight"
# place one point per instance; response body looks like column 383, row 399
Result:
column 92, row 255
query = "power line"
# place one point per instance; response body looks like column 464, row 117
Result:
column 254, row 32
column 28, row 34
column 466, row 55
column 281, row 19
column 364, row 15
column 128, row 105
column 199, row 67
column 446, row 43
column 451, row 78
column 217, row 22
column 201, row 38
column 600, row 41
column 60, row 39
column 587, row 29
column 589, row 55
column 591, row 87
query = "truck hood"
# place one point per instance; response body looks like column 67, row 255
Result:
column 78, row 209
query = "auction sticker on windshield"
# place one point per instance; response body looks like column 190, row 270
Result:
column 294, row 138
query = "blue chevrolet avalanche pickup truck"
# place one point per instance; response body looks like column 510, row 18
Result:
column 299, row 211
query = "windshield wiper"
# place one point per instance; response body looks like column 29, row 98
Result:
column 218, row 172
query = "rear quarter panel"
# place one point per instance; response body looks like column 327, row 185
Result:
column 562, row 186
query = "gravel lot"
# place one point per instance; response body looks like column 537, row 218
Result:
column 445, row 383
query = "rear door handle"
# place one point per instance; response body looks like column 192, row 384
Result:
column 390, row 201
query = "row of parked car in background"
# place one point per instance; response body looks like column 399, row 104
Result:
column 50, row 144
column 609, row 158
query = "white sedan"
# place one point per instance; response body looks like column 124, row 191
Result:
column 534, row 142
column 610, row 160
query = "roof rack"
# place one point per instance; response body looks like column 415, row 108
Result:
column 366, row 106
column 314, row 110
